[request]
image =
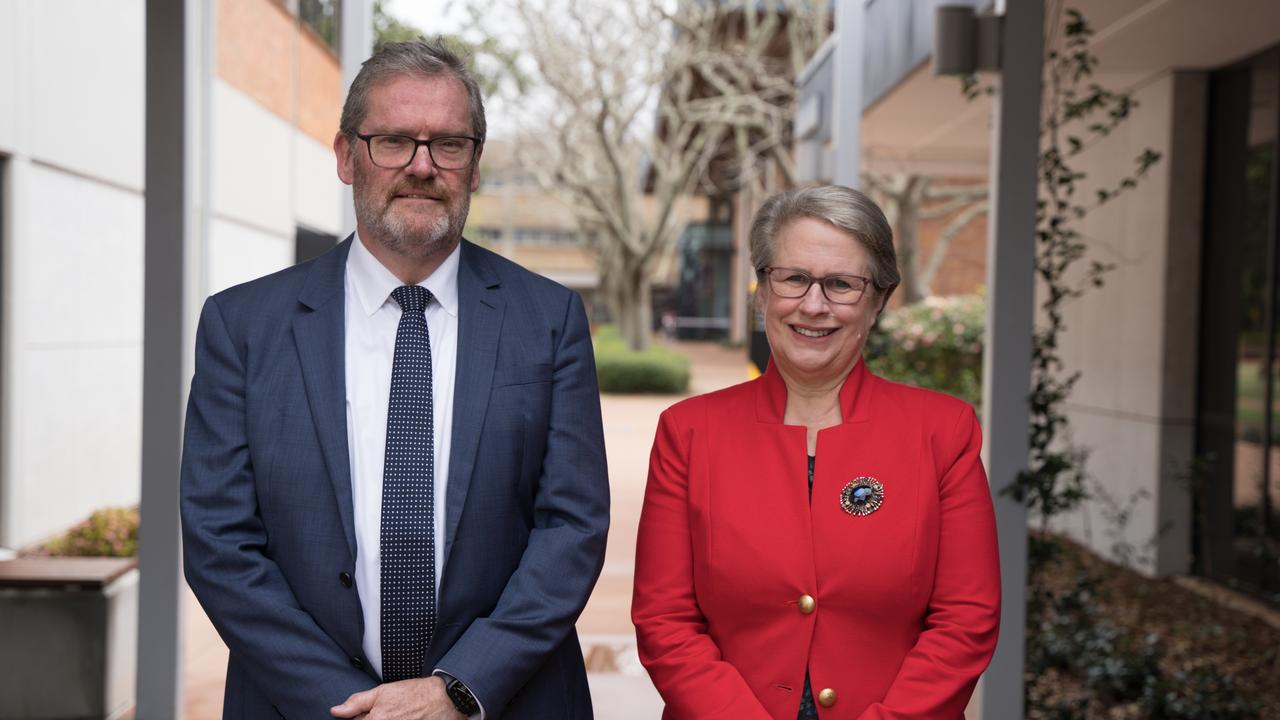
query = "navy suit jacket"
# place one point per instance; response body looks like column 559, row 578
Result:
column 269, row 540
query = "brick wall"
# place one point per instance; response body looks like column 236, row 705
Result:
column 964, row 268
column 266, row 53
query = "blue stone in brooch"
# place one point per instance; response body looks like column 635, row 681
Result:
column 862, row 496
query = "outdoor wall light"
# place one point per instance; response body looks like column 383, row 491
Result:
column 965, row 42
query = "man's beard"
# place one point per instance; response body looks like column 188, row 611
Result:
column 399, row 233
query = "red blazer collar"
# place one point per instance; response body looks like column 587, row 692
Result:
column 855, row 395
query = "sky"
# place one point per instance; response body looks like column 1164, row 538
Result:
column 433, row 16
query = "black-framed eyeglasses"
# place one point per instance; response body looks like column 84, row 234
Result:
column 791, row 283
column 452, row 152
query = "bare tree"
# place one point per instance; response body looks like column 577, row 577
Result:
column 647, row 101
column 907, row 199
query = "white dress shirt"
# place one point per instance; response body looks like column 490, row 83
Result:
column 372, row 317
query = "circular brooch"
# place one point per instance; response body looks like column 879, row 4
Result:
column 862, row 496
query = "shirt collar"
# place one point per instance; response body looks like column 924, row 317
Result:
column 372, row 282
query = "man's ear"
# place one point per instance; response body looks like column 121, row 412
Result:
column 342, row 150
column 475, row 169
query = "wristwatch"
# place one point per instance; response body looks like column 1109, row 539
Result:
column 462, row 698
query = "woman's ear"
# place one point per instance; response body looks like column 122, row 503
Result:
column 880, row 303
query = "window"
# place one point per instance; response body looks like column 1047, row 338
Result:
column 1236, row 484
column 486, row 235
column 309, row 244
column 322, row 17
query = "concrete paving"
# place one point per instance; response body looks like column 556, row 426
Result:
column 619, row 686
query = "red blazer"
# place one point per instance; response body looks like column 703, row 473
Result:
column 906, row 599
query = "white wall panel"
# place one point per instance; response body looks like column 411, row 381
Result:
column 252, row 162
column 317, row 191
column 80, row 428
column 83, row 90
column 10, row 75
column 1135, row 339
column 238, row 253
column 1116, row 333
column 81, row 257
column 1121, row 522
column 73, row 352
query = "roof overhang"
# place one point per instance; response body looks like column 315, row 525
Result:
column 925, row 125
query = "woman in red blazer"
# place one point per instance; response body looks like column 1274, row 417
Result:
column 818, row 542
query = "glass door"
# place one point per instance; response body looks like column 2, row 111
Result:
column 1236, row 484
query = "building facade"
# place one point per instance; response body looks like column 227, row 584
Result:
column 1176, row 404
column 71, row 223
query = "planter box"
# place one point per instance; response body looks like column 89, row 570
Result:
column 70, row 629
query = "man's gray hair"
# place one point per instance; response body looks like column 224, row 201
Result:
column 421, row 58
column 847, row 210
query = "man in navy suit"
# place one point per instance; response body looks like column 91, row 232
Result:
column 290, row 446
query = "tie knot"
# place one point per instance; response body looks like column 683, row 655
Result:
column 411, row 298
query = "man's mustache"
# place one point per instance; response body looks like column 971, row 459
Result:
column 429, row 189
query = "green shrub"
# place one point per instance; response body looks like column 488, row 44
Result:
column 1072, row 633
column 1203, row 692
column 934, row 344
column 621, row 370
column 607, row 336
column 112, row 532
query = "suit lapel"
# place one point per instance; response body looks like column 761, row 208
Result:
column 480, row 311
column 320, row 336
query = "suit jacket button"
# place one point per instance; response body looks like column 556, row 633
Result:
column 827, row 697
column 345, row 579
column 807, row 604
column 357, row 663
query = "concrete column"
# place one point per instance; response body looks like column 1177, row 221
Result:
column 14, row 182
column 846, row 108
column 173, row 37
column 1015, row 148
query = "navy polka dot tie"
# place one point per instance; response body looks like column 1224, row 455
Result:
column 408, row 497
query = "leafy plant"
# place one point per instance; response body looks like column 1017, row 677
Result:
column 934, row 344
column 489, row 59
column 1065, row 632
column 1202, row 692
column 1069, row 633
column 111, row 532
column 1079, row 112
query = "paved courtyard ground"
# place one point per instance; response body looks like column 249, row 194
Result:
column 619, row 686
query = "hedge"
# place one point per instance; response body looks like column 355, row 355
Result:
column 622, row 370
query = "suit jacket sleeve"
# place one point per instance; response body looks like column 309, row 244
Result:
column 938, row 675
column 682, row 659
column 498, row 654
column 290, row 658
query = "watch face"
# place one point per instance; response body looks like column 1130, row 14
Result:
column 462, row 698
